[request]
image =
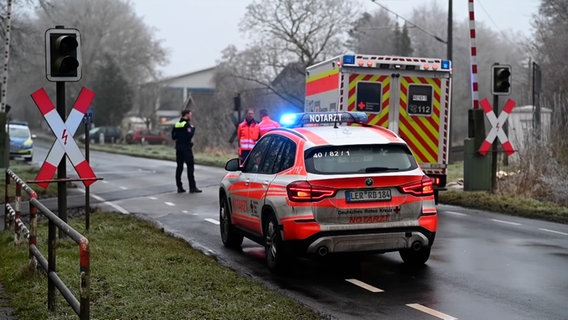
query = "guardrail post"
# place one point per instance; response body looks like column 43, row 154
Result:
column 6, row 201
column 18, row 209
column 33, row 231
column 84, row 258
column 51, row 267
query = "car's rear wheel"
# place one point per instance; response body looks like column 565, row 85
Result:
column 277, row 258
column 230, row 237
column 415, row 257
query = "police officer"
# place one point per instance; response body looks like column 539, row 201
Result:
column 182, row 133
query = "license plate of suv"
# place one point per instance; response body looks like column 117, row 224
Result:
column 368, row 195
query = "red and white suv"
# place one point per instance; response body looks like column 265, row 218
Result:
column 329, row 186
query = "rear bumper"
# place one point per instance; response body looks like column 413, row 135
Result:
column 374, row 240
column 369, row 242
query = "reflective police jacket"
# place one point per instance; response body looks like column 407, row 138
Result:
column 182, row 133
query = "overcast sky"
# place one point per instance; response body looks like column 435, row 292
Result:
column 196, row 31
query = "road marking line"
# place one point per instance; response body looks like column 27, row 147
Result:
column 554, row 231
column 117, row 207
column 364, row 285
column 456, row 213
column 152, row 198
column 506, row 222
column 123, row 188
column 431, row 312
column 213, row 221
column 171, row 204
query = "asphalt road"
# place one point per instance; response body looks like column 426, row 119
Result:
column 483, row 265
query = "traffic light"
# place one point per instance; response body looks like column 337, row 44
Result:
column 237, row 102
column 63, row 54
column 501, row 79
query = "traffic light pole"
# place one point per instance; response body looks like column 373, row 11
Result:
column 62, row 168
column 494, row 149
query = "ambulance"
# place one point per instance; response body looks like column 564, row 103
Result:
column 410, row 96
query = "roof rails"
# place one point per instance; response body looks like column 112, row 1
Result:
column 314, row 118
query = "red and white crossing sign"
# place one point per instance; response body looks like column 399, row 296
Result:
column 497, row 127
column 64, row 143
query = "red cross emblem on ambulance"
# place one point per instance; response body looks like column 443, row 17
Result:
column 64, row 131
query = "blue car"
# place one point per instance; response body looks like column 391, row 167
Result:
column 21, row 142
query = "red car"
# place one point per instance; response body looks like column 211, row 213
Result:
column 145, row 136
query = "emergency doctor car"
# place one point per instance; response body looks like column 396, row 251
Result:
column 327, row 183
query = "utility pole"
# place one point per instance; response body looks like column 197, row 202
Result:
column 4, row 138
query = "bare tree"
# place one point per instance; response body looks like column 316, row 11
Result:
column 285, row 33
column 551, row 44
column 373, row 34
column 109, row 28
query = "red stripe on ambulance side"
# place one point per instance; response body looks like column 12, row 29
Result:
column 324, row 84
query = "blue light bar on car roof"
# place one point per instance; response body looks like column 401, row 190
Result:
column 446, row 64
column 348, row 59
column 300, row 119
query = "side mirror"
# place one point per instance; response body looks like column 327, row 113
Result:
column 233, row 165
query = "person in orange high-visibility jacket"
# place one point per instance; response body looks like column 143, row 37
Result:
column 247, row 134
column 266, row 123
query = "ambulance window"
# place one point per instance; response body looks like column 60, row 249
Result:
column 420, row 100
column 369, row 96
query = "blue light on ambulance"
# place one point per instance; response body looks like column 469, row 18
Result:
column 348, row 59
column 446, row 64
column 288, row 119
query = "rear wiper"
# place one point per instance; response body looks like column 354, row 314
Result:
column 379, row 169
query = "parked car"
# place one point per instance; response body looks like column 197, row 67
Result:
column 110, row 134
column 328, row 187
column 145, row 136
column 21, row 141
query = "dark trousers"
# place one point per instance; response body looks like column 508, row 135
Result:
column 185, row 155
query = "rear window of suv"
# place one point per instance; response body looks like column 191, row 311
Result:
column 359, row 159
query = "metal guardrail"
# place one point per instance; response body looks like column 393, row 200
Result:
column 81, row 306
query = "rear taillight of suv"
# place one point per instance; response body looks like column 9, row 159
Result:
column 423, row 187
column 303, row 191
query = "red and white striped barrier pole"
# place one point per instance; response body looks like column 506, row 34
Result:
column 473, row 59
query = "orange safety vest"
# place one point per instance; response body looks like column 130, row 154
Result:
column 247, row 135
column 266, row 124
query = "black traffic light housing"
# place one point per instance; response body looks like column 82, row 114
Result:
column 237, row 102
column 501, row 79
column 63, row 54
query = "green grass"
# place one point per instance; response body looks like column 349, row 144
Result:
column 165, row 152
column 502, row 202
column 27, row 173
column 138, row 272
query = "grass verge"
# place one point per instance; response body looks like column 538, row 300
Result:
column 165, row 152
column 138, row 272
column 505, row 203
